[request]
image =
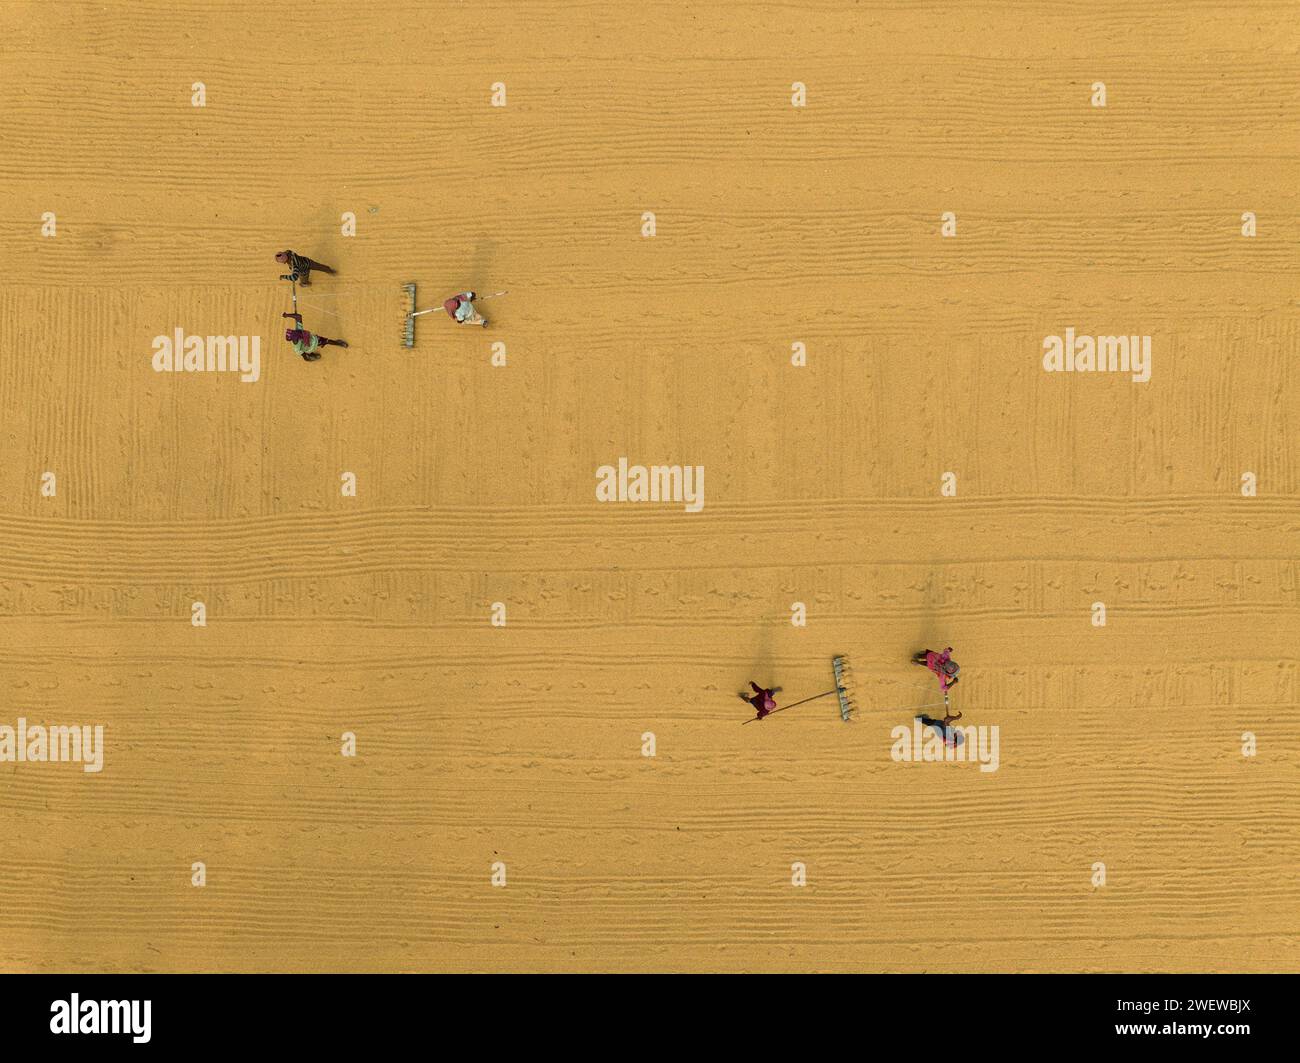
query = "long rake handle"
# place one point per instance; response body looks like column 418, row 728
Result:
column 795, row 705
column 813, row 698
column 479, row 298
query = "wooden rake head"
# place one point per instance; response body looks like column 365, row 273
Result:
column 842, row 675
column 408, row 326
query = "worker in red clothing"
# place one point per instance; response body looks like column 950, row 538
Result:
column 942, row 665
column 460, row 308
column 761, row 699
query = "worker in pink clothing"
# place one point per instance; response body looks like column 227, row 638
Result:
column 942, row 665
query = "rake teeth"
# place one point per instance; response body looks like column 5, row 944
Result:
column 408, row 327
column 841, row 669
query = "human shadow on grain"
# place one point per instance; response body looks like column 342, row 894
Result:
column 760, row 670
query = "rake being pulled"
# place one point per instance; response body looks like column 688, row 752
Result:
column 843, row 677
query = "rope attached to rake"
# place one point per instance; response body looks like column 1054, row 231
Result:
column 317, row 306
column 314, row 305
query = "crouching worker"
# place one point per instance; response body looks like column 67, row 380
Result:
column 461, row 310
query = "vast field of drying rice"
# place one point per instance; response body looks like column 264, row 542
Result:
column 818, row 249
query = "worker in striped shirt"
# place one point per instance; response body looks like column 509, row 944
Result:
column 300, row 267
